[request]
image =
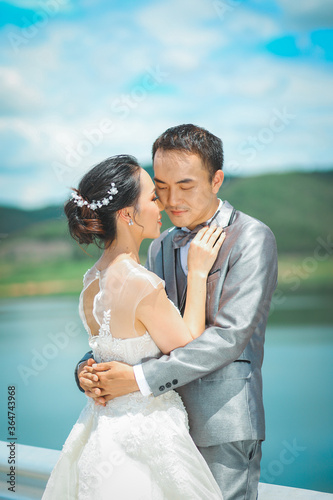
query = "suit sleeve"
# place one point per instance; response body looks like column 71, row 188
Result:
column 244, row 304
column 87, row 356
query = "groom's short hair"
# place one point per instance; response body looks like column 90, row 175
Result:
column 192, row 139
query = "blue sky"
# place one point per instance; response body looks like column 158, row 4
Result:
column 86, row 79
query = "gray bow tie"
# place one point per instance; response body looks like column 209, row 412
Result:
column 181, row 237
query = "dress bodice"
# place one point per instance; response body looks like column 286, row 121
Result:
column 122, row 286
column 132, row 350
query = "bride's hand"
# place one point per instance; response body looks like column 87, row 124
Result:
column 204, row 249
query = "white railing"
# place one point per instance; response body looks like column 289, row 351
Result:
column 33, row 467
column 32, row 470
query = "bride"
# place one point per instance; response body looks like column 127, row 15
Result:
column 133, row 447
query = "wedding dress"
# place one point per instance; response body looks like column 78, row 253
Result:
column 136, row 447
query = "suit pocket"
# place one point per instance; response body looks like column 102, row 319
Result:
column 214, row 275
column 240, row 369
column 214, row 286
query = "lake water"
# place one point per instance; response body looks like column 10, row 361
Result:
column 42, row 339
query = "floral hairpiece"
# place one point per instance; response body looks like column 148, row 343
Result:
column 78, row 199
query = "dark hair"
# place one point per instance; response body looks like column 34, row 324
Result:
column 99, row 226
column 196, row 140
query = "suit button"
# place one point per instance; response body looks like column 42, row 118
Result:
column 175, row 381
column 168, row 385
column 161, row 388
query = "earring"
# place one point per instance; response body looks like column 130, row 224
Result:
column 130, row 222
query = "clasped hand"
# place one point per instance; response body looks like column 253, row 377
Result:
column 106, row 381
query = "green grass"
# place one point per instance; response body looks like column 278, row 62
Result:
column 302, row 274
column 312, row 316
column 44, row 271
column 293, row 278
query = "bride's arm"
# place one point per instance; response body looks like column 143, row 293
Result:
column 201, row 256
column 160, row 317
column 163, row 321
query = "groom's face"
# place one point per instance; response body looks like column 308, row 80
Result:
column 184, row 188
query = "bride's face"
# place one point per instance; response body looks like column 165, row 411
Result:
column 148, row 217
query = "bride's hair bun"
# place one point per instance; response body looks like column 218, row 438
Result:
column 87, row 225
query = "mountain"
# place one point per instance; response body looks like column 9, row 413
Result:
column 12, row 220
column 15, row 219
column 296, row 206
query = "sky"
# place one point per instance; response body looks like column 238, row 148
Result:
column 81, row 80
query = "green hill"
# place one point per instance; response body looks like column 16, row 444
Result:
column 35, row 247
column 15, row 219
column 297, row 207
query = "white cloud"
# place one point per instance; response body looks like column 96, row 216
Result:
column 17, row 96
column 248, row 26
column 182, row 45
column 72, row 76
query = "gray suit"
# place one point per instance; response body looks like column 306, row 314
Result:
column 218, row 375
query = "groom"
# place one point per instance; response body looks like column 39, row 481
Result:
column 218, row 375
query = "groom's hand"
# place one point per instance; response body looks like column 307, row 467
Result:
column 115, row 379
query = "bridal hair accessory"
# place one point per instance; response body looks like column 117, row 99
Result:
column 77, row 198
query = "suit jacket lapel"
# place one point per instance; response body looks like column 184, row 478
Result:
column 169, row 257
column 224, row 215
column 222, row 220
column 169, row 267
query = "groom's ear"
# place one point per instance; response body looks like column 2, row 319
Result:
column 217, row 181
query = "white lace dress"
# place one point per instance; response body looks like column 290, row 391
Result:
column 136, row 447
